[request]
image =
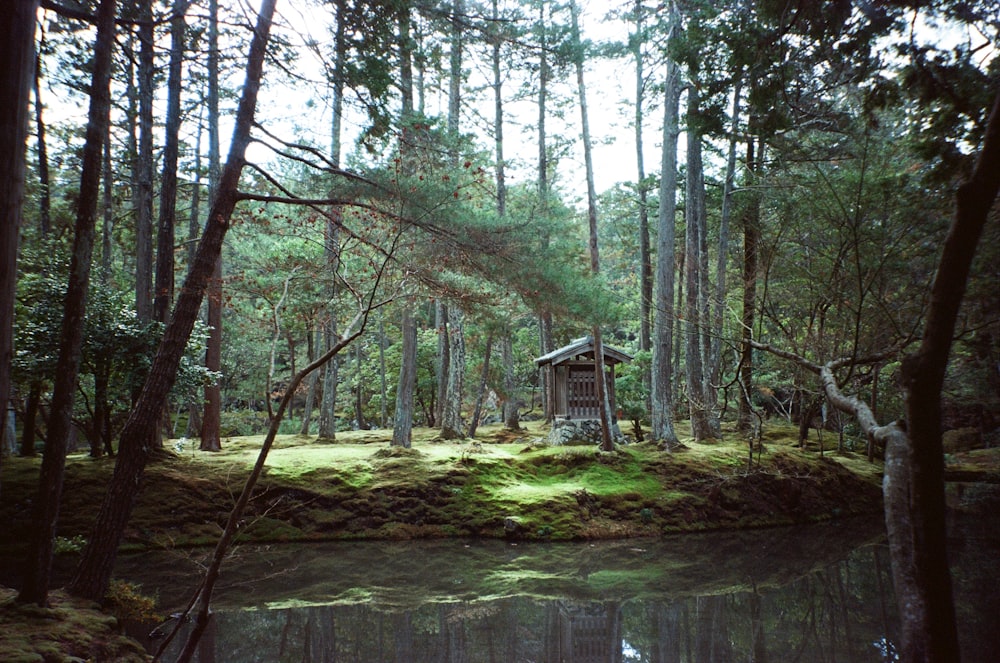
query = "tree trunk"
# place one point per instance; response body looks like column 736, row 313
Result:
column 204, row 597
column 17, row 40
column 715, row 359
column 645, row 261
column 751, row 237
column 45, row 192
column 545, row 340
column 661, row 393
column 313, row 382
column 442, row 365
column 331, row 238
column 164, row 285
column 701, row 401
column 511, row 412
column 451, row 422
column 144, row 170
column 600, row 381
column 94, row 572
column 402, row 430
column 38, row 569
column 915, row 516
column 211, row 433
column 108, row 204
column 481, row 391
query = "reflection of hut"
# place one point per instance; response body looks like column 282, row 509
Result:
column 587, row 632
column 572, row 379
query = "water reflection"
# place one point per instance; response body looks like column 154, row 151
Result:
column 804, row 594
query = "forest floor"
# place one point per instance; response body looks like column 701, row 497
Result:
column 504, row 484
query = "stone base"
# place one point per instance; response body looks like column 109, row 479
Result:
column 580, row 431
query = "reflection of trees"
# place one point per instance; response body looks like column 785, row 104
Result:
column 836, row 613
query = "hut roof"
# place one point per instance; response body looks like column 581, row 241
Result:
column 582, row 346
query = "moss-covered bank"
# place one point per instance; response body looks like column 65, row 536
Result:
column 503, row 485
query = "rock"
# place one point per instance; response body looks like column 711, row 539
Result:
column 961, row 439
column 580, row 431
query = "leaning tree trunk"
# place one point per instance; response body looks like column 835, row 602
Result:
column 915, row 517
column 913, row 485
column 94, row 572
column 205, row 591
column 38, row 570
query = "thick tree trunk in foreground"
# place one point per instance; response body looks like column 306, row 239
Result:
column 17, row 33
column 917, row 526
column 94, row 572
column 913, row 486
column 39, row 566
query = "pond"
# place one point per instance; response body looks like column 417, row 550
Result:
column 816, row 593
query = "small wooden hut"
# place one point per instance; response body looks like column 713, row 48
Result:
column 572, row 378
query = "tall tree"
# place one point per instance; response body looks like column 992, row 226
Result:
column 545, row 339
column 143, row 175
column 94, row 572
column 331, row 237
column 403, row 420
column 600, row 379
column 17, row 32
column 661, row 392
column 701, row 401
column 164, row 284
column 39, row 563
column 452, row 351
column 638, row 39
column 211, row 433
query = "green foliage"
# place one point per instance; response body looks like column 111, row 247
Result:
column 126, row 601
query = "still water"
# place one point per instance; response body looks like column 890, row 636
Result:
column 817, row 593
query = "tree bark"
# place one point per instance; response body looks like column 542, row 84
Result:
column 751, row 237
column 600, row 378
column 39, row 564
column 402, row 430
column 916, row 526
column 144, row 168
column 645, row 262
column 17, row 33
column 661, row 392
column 211, row 426
column 45, row 192
column 451, row 421
column 94, row 572
column 545, row 340
column 481, row 391
column 511, row 412
column 331, row 239
column 163, row 290
column 204, row 598
column 701, row 400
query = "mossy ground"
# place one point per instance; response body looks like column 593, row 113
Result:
column 503, row 484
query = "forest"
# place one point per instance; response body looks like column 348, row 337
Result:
column 222, row 219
